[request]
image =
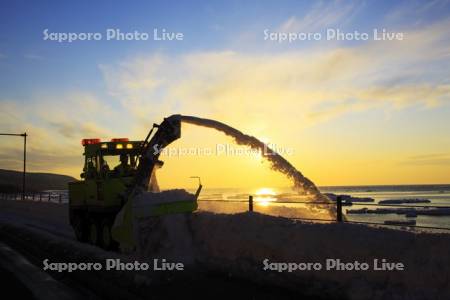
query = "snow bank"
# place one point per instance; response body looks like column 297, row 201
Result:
column 239, row 244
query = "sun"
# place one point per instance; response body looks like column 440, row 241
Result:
column 265, row 192
column 264, row 196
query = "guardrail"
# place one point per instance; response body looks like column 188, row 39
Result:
column 339, row 203
column 37, row 197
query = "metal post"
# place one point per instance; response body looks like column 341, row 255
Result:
column 339, row 209
column 24, row 164
column 49, row 197
column 60, row 201
column 250, row 203
column 40, row 197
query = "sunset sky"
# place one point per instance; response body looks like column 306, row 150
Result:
column 353, row 112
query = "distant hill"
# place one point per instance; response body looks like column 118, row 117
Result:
column 11, row 181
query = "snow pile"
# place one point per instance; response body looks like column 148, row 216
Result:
column 239, row 244
column 164, row 236
column 151, row 198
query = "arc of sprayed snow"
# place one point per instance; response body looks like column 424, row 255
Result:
column 277, row 162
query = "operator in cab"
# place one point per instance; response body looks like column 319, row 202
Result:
column 124, row 168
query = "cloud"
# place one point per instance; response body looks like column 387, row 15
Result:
column 416, row 13
column 73, row 129
column 433, row 159
column 298, row 88
column 55, row 124
column 322, row 15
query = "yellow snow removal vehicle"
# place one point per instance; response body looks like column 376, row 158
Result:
column 105, row 205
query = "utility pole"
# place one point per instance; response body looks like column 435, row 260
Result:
column 24, row 135
column 24, row 164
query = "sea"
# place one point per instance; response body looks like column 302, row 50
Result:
column 236, row 199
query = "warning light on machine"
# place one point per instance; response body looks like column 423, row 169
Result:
column 120, row 140
column 85, row 142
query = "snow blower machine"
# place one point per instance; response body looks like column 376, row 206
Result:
column 105, row 205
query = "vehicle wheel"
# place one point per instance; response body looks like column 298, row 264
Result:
column 94, row 233
column 80, row 229
column 107, row 241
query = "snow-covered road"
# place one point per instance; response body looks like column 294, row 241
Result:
column 51, row 217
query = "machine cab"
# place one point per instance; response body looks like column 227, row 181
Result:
column 109, row 167
column 114, row 159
